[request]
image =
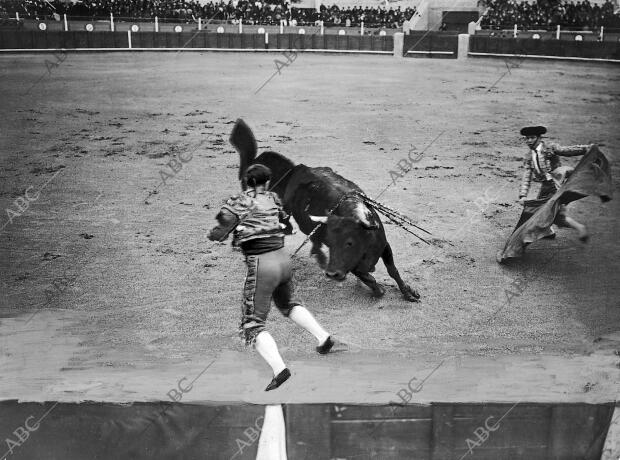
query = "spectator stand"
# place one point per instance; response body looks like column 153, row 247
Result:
column 248, row 12
column 543, row 19
column 540, row 33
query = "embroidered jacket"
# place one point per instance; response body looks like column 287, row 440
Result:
column 542, row 163
column 260, row 216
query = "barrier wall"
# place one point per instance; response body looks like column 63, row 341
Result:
column 164, row 430
column 586, row 35
column 416, row 44
column 430, row 44
column 484, row 45
column 189, row 40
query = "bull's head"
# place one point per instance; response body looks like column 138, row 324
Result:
column 347, row 238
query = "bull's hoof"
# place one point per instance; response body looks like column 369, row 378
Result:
column 411, row 295
column 378, row 291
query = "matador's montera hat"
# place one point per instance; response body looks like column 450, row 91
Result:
column 533, row 131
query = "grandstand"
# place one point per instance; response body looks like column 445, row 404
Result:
column 249, row 12
column 425, row 14
column 547, row 15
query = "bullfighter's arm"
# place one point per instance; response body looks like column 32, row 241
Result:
column 526, row 180
column 227, row 221
column 284, row 218
column 569, row 150
column 229, row 217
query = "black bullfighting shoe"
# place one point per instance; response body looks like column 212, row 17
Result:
column 326, row 347
column 331, row 346
column 279, row 379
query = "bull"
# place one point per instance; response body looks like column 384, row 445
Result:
column 317, row 196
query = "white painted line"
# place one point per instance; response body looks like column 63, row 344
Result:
column 430, row 52
column 272, row 442
column 536, row 56
column 249, row 50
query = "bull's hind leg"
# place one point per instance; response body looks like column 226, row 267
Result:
column 316, row 251
column 388, row 259
column 371, row 282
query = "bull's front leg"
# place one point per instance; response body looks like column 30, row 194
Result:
column 318, row 252
column 388, row 259
column 371, row 282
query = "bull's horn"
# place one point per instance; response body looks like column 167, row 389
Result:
column 322, row 219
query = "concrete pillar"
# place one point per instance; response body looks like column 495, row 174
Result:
column 399, row 44
column 471, row 28
column 463, row 48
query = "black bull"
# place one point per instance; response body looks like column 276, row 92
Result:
column 353, row 231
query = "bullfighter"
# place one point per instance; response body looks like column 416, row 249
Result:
column 259, row 224
column 542, row 164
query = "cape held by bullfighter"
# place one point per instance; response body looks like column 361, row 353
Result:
column 327, row 207
column 590, row 177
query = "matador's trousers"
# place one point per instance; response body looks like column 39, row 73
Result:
column 269, row 275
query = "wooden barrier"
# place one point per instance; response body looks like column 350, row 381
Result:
column 441, row 431
column 486, row 45
column 448, row 431
column 431, row 44
column 417, row 44
column 38, row 40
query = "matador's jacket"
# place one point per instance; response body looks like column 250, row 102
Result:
column 259, row 224
column 542, row 164
column 260, row 215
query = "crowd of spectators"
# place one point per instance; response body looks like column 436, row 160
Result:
column 548, row 14
column 250, row 12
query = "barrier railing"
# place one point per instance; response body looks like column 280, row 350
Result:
column 548, row 32
column 417, row 44
column 156, row 24
column 218, row 19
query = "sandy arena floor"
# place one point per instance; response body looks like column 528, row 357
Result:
column 111, row 290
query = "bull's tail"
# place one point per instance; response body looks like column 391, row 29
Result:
column 244, row 141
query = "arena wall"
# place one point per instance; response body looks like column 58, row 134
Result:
column 415, row 44
column 193, row 41
column 166, row 430
column 480, row 45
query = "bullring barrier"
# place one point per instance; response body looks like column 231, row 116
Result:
column 416, row 44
